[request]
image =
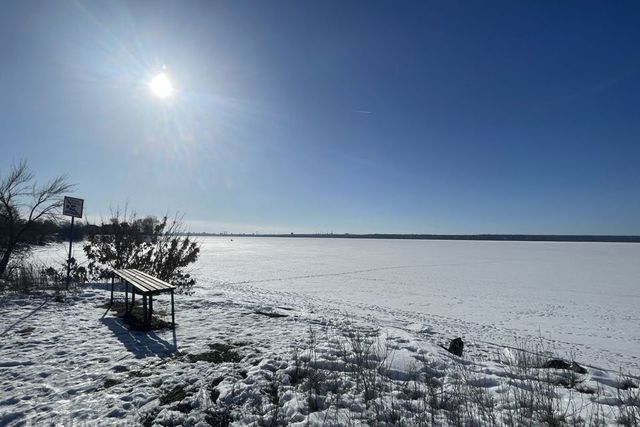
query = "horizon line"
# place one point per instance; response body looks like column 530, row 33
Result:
column 613, row 238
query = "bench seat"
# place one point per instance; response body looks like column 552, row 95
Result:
column 144, row 283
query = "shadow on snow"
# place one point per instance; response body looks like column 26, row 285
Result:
column 141, row 344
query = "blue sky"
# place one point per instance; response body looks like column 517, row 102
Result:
column 411, row 117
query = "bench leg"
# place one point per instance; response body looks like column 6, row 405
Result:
column 112, row 280
column 173, row 316
column 144, row 309
column 133, row 296
column 126, row 297
column 150, row 308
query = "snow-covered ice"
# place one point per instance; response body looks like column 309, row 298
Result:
column 75, row 362
column 580, row 296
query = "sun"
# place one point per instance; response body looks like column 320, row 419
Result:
column 161, row 86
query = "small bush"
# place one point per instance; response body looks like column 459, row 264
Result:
column 77, row 273
column 155, row 246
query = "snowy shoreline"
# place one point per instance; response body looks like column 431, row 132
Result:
column 75, row 363
column 581, row 297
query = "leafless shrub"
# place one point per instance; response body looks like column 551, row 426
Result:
column 629, row 397
column 313, row 375
column 458, row 393
column 484, row 404
column 366, row 357
column 270, row 414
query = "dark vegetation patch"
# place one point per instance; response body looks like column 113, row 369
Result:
column 139, row 374
column 136, row 323
column 216, row 381
column 219, row 353
column 272, row 392
column 174, row 395
column 134, row 319
column 118, row 307
column 584, row 389
column 214, row 393
column 25, row 332
column 626, row 384
column 564, row 365
column 270, row 314
column 185, row 407
column 110, row 382
column 148, row 419
column 218, row 417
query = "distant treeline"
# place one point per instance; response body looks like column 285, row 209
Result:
column 486, row 237
column 43, row 232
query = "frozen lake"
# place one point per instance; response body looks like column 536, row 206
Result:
column 273, row 299
column 585, row 294
column 582, row 296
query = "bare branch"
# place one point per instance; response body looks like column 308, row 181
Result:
column 16, row 183
column 12, row 187
column 23, row 202
column 48, row 198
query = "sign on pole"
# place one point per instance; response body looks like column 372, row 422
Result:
column 72, row 207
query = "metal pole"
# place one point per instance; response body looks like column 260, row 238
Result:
column 144, row 309
column 70, row 245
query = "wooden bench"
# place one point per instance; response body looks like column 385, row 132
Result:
column 145, row 285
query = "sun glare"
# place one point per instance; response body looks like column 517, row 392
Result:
column 161, row 86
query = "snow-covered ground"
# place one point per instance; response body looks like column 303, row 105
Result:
column 75, row 362
column 581, row 296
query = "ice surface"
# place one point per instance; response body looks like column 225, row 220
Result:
column 74, row 361
column 580, row 296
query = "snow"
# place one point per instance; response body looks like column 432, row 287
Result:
column 76, row 362
column 580, row 296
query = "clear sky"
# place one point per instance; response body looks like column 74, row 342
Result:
column 346, row 116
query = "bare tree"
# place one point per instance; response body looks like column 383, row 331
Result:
column 23, row 202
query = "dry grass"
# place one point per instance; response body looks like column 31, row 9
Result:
column 456, row 395
column 35, row 279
